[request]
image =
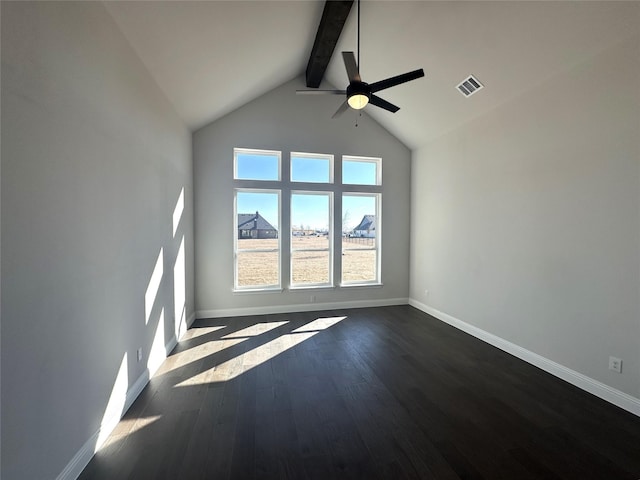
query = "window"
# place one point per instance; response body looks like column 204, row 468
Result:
column 360, row 238
column 311, row 168
column 311, row 239
column 256, row 164
column 302, row 202
column 361, row 171
column 257, row 242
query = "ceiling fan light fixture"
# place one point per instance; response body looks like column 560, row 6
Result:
column 358, row 101
column 358, row 95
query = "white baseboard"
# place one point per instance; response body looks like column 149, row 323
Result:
column 303, row 307
column 82, row 458
column 599, row 389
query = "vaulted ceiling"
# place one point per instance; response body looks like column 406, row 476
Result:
column 210, row 58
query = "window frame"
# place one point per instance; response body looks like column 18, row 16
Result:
column 285, row 188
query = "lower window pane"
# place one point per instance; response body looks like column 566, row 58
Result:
column 309, row 267
column 358, row 265
column 257, row 269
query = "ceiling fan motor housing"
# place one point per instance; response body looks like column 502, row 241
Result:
column 359, row 88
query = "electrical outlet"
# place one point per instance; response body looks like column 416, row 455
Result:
column 615, row 364
column 140, row 354
column 312, row 299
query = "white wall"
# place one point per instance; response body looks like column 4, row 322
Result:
column 93, row 162
column 281, row 120
column 526, row 222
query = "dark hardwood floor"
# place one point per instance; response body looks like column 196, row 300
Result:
column 383, row 393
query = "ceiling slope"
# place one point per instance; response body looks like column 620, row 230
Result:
column 212, row 57
column 509, row 46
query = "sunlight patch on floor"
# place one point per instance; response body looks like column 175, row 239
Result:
column 128, row 426
column 194, row 354
column 239, row 364
column 255, row 330
column 319, row 324
column 234, row 367
column 200, row 331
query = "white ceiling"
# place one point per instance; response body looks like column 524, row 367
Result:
column 212, row 57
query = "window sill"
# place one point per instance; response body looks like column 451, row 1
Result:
column 306, row 288
column 362, row 285
column 258, row 290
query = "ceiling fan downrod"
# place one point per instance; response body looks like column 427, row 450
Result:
column 359, row 93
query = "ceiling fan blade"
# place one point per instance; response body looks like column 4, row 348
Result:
column 397, row 80
column 321, row 92
column 380, row 102
column 351, row 66
column 341, row 110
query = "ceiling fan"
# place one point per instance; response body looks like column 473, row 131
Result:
column 360, row 93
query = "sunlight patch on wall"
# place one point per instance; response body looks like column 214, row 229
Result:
column 158, row 352
column 180, row 292
column 152, row 289
column 177, row 212
column 116, row 403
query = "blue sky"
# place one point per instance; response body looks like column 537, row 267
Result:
column 310, row 169
column 303, row 169
column 308, row 210
column 257, row 167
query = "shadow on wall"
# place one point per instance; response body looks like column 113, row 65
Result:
column 169, row 274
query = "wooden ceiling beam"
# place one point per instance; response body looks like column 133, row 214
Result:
column 333, row 19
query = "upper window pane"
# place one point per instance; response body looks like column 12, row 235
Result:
column 361, row 171
column 311, row 168
column 256, row 164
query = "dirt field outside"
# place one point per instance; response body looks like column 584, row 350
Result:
column 261, row 268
